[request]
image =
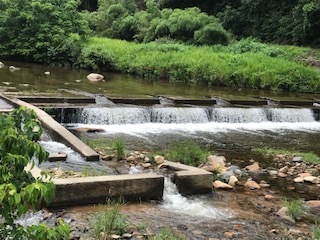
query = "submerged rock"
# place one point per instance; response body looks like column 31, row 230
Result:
column 218, row 184
column 95, row 77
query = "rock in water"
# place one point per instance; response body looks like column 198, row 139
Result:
column 1, row 65
column 95, row 77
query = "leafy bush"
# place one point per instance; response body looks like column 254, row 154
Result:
column 40, row 30
column 211, row 34
column 19, row 190
column 109, row 221
column 296, row 208
column 187, row 152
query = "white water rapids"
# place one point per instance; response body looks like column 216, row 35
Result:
column 175, row 202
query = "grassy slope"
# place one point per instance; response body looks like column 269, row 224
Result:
column 252, row 65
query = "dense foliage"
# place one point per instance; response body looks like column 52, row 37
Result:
column 40, row 30
column 19, row 190
column 283, row 21
column 126, row 20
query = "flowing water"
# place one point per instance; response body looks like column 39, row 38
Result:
column 228, row 130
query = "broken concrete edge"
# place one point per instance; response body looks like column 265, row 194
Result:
column 58, row 132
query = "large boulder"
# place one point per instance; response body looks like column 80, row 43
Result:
column 95, row 77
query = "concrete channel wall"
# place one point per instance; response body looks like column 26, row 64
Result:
column 59, row 133
column 131, row 187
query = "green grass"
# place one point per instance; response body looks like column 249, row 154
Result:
column 119, row 148
column 109, row 221
column 262, row 68
column 116, row 147
column 168, row 234
column 186, row 152
column 308, row 157
column 315, row 232
column 296, row 208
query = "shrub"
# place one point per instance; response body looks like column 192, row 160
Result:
column 187, row 152
column 211, row 34
column 19, row 190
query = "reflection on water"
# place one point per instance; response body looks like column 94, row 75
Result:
column 31, row 78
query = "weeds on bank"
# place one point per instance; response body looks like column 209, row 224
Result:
column 109, row 221
column 308, row 157
column 187, row 152
column 296, row 208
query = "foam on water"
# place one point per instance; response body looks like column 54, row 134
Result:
column 56, row 147
column 175, row 202
column 142, row 130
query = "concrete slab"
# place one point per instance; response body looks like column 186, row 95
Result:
column 56, row 100
column 89, row 190
column 59, row 133
column 200, row 102
column 134, row 187
column 135, row 101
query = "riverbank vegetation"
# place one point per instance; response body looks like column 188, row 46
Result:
column 308, row 157
column 243, row 65
column 160, row 41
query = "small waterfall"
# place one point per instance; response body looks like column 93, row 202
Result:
column 116, row 115
column 290, row 115
column 174, row 201
column 179, row 115
column 190, row 115
column 238, row 115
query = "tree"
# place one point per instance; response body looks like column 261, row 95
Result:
column 41, row 30
column 19, row 190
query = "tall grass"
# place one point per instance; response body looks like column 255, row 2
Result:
column 202, row 65
column 316, row 232
column 109, row 221
column 296, row 208
column 186, row 152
